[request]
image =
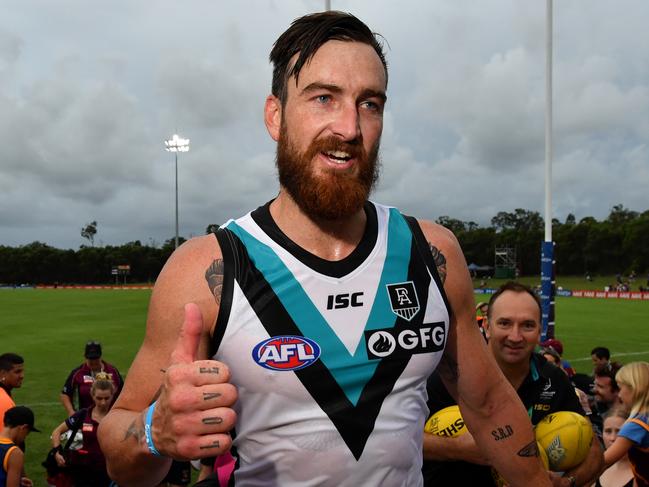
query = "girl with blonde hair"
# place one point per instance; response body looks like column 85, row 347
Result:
column 633, row 438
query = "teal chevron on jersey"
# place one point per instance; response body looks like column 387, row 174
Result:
column 351, row 372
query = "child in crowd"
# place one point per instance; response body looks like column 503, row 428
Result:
column 633, row 438
column 619, row 474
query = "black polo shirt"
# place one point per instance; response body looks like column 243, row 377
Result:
column 546, row 389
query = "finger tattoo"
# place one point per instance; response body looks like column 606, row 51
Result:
column 212, row 445
column 210, row 395
column 212, row 420
column 208, row 370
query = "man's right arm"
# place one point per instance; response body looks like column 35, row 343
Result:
column 192, row 415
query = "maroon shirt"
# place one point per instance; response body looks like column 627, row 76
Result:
column 80, row 381
column 89, row 455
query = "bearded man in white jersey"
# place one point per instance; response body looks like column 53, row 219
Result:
column 301, row 335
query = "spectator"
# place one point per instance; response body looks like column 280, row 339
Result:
column 87, row 465
column 18, row 423
column 77, row 385
column 633, row 438
column 558, row 347
column 513, row 330
column 481, row 310
column 12, row 373
column 620, row 473
column 606, row 388
column 600, row 356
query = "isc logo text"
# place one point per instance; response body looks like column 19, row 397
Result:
column 344, row 300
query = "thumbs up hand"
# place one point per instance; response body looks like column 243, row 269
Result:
column 193, row 413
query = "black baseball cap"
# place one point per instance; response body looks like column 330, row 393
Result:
column 93, row 350
column 19, row 415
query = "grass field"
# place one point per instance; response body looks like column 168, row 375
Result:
column 50, row 327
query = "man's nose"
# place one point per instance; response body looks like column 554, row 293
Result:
column 346, row 124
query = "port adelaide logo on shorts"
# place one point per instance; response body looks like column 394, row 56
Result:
column 286, row 352
column 403, row 299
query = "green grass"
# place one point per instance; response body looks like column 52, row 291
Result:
column 50, row 327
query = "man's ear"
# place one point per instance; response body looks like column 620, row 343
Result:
column 273, row 116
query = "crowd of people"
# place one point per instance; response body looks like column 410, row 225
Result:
column 274, row 326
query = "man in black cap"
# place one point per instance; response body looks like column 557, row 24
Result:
column 18, row 423
column 80, row 380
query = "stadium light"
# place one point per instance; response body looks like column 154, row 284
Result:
column 176, row 144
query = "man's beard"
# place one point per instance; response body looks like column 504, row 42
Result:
column 330, row 194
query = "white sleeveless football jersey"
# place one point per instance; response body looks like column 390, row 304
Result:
column 330, row 359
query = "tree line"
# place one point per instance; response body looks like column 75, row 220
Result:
column 617, row 244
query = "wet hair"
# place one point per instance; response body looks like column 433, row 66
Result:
column 601, row 352
column 515, row 287
column 636, row 376
column 306, row 35
column 609, row 370
column 102, row 385
column 9, row 360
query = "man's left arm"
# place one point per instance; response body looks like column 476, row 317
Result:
column 491, row 408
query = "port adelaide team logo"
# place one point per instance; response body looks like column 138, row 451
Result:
column 287, row 352
column 403, row 299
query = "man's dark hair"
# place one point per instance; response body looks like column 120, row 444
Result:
column 609, row 370
column 306, row 35
column 601, row 352
column 8, row 360
column 516, row 287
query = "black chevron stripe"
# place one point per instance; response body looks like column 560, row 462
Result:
column 354, row 423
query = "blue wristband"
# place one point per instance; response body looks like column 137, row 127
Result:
column 147, row 430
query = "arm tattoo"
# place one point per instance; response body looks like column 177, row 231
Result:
column 529, row 450
column 135, row 432
column 502, row 432
column 214, row 277
column 440, row 261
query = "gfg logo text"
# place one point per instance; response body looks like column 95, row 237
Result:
column 428, row 337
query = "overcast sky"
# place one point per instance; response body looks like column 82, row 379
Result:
column 89, row 90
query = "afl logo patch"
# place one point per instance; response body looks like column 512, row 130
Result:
column 286, row 352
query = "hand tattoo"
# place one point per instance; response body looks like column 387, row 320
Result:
column 214, row 277
column 440, row 261
column 135, row 432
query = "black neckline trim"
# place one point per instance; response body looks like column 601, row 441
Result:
column 338, row 268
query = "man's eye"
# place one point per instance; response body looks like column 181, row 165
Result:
column 323, row 98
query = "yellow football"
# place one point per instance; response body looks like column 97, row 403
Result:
column 565, row 437
column 446, row 422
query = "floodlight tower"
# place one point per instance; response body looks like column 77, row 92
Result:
column 176, row 144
